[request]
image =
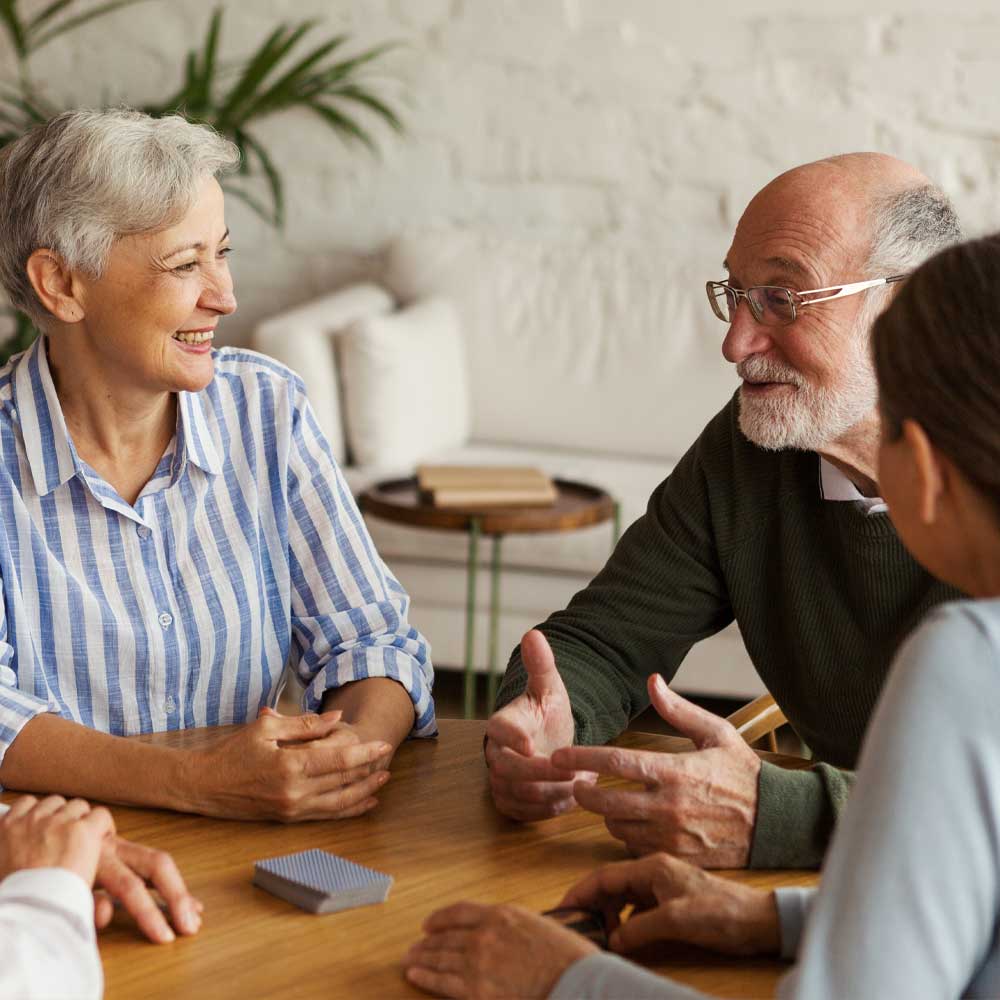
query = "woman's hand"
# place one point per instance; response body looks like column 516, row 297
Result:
column 290, row 768
column 676, row 901
column 472, row 950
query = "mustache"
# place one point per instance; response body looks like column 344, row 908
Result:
column 757, row 368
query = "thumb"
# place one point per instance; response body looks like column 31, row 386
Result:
column 540, row 666
column 701, row 727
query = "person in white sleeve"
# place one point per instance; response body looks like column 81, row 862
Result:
column 910, row 900
column 52, row 852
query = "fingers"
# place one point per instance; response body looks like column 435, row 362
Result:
column 458, row 915
column 508, row 728
column 644, row 766
column 703, row 728
column 342, row 803
column 532, row 801
column 104, row 909
column 129, row 889
column 49, row 806
column 297, row 728
column 618, row 803
column 76, row 809
column 22, row 806
column 625, row 881
column 439, row 984
column 332, row 755
column 512, row 766
column 644, row 928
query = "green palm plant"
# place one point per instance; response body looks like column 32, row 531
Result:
column 281, row 75
column 278, row 77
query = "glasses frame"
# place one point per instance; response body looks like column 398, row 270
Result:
column 796, row 299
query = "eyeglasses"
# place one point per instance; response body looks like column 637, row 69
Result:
column 773, row 305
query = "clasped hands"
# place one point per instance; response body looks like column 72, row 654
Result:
column 700, row 805
column 291, row 768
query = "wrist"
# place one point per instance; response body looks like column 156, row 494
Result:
column 763, row 926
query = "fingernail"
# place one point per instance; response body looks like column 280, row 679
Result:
column 383, row 778
column 384, row 747
column 192, row 919
column 167, row 935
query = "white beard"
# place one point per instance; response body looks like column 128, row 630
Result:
column 808, row 417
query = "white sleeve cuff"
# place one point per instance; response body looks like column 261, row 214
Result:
column 794, row 906
column 57, row 887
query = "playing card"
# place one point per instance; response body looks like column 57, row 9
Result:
column 321, row 882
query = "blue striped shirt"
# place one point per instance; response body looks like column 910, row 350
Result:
column 244, row 551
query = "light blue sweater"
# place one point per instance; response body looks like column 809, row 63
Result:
column 910, row 903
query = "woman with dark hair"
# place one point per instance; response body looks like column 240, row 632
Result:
column 910, row 903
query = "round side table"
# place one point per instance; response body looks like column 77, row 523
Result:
column 577, row 505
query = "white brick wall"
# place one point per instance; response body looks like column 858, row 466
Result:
column 662, row 116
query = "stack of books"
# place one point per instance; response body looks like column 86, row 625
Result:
column 474, row 487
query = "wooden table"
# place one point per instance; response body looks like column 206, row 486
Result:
column 435, row 831
column 577, row 505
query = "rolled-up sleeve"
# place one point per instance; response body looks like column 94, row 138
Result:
column 17, row 708
column 349, row 613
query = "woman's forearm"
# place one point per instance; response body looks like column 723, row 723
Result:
column 53, row 755
column 378, row 707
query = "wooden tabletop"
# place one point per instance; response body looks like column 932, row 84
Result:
column 435, row 831
column 577, row 505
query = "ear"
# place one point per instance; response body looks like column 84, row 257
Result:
column 931, row 475
column 55, row 286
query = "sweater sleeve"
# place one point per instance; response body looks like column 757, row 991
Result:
column 911, row 889
column 661, row 591
column 607, row 977
column 796, row 814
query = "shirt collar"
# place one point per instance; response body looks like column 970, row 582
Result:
column 48, row 447
column 834, row 485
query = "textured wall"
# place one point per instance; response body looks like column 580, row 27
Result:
column 657, row 116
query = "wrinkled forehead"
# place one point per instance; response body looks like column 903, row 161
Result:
column 806, row 230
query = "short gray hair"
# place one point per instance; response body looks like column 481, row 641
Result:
column 908, row 227
column 86, row 178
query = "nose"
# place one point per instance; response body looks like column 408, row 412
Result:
column 217, row 295
column 746, row 336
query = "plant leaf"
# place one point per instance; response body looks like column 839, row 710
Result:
column 49, row 12
column 274, row 49
column 74, row 22
column 341, row 123
column 274, row 181
column 352, row 92
column 258, row 207
column 16, row 30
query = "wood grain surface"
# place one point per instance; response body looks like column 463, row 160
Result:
column 435, row 831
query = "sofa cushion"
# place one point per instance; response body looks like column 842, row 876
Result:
column 574, row 340
column 404, row 384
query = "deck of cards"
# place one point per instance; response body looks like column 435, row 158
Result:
column 321, row 882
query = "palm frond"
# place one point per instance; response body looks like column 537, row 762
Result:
column 352, row 92
column 75, row 22
column 17, row 31
column 342, row 123
column 274, row 182
column 48, row 13
column 257, row 206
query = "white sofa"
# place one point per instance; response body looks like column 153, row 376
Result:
column 575, row 356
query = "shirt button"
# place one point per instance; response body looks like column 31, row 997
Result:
column 170, row 705
column 143, row 532
column 165, row 619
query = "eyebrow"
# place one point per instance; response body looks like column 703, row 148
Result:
column 193, row 246
column 781, row 264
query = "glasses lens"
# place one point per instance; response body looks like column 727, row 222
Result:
column 722, row 299
column 772, row 306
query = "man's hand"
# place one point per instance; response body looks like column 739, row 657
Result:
column 700, row 806
column 53, row 833
column 290, row 768
column 492, row 951
column 675, row 901
column 522, row 735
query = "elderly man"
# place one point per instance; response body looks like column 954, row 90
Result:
column 772, row 518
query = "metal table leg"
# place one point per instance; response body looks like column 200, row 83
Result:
column 494, row 623
column 469, row 685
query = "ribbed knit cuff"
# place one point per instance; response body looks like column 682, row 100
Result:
column 793, row 819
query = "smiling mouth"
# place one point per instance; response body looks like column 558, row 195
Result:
column 194, row 336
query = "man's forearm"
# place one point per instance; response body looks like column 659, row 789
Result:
column 52, row 755
column 378, row 707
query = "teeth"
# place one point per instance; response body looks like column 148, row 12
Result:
column 194, row 338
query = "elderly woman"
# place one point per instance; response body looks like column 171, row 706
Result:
column 910, row 901
column 173, row 528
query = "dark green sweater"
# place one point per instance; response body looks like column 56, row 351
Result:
column 822, row 592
